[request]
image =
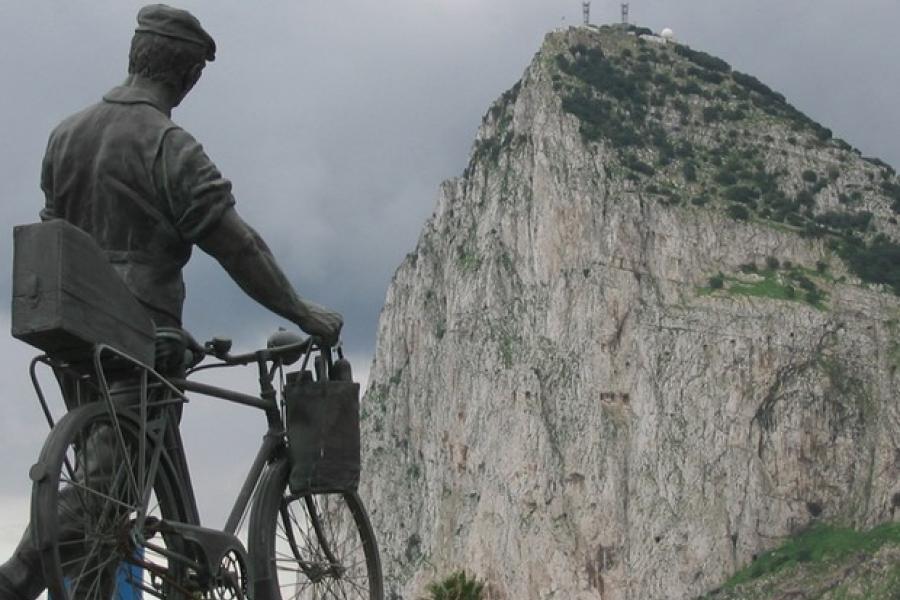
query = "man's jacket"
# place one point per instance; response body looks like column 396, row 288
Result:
column 146, row 191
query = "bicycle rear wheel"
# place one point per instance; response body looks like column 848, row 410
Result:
column 102, row 487
column 312, row 546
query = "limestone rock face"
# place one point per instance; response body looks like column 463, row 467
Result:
column 595, row 377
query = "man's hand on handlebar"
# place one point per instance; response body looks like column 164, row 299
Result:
column 323, row 323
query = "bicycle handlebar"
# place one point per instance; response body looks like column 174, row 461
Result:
column 218, row 349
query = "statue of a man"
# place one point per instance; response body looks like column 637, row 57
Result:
column 144, row 189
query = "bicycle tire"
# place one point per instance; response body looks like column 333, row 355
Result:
column 312, row 546
column 84, row 514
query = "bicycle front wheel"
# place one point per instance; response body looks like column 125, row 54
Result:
column 311, row 546
column 103, row 487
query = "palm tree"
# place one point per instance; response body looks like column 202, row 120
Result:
column 457, row 587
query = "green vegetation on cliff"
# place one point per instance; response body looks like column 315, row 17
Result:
column 877, row 261
column 683, row 125
column 823, row 562
column 456, row 587
column 775, row 281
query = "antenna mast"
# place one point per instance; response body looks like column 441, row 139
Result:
column 624, row 13
column 586, row 9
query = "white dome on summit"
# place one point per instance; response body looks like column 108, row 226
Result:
column 667, row 33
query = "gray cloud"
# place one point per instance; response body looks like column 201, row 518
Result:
column 337, row 120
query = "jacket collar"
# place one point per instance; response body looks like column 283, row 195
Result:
column 124, row 94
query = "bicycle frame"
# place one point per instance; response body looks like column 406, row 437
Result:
column 272, row 442
column 142, row 425
column 273, row 439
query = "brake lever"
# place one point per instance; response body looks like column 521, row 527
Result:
column 218, row 347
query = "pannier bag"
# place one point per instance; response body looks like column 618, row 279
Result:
column 323, row 436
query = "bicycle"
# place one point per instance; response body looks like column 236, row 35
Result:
column 112, row 488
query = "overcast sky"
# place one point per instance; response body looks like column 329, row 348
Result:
column 336, row 121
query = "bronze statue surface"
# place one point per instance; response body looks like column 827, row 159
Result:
column 144, row 189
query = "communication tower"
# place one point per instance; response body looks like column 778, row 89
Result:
column 624, row 13
column 586, row 9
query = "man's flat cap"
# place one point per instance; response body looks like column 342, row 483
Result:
column 176, row 24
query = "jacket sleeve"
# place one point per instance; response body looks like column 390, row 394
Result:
column 197, row 193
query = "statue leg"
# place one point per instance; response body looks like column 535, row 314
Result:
column 21, row 577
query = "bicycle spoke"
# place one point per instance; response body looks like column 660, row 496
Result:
column 343, row 595
column 355, row 584
column 109, row 511
column 99, row 507
column 72, row 542
column 143, row 587
column 83, row 574
column 329, row 590
column 288, row 530
column 329, row 524
column 290, row 569
column 98, row 581
column 95, row 584
column 323, row 529
column 74, row 561
column 98, row 494
column 142, row 431
column 303, row 529
column 71, row 471
column 294, row 549
column 303, row 587
column 87, row 559
column 292, row 517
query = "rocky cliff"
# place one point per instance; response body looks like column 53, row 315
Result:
column 650, row 332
